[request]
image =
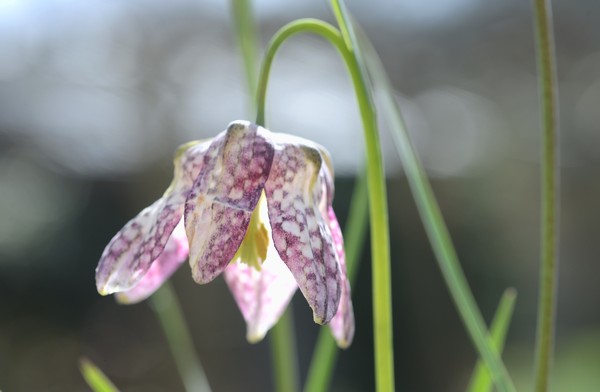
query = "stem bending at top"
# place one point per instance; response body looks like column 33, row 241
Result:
column 308, row 25
column 378, row 212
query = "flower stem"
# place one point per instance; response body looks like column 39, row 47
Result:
column 308, row 25
column 165, row 305
column 378, row 213
column 550, row 174
column 283, row 354
column 325, row 352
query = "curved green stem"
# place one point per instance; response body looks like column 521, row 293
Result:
column 308, row 25
column 549, row 243
column 381, row 274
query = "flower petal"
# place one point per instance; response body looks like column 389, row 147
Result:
column 300, row 233
column 342, row 324
column 220, row 204
column 262, row 296
column 130, row 253
column 174, row 254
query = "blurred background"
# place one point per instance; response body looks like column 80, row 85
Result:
column 96, row 95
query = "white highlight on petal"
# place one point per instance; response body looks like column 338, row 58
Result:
column 278, row 195
column 291, row 227
column 236, row 193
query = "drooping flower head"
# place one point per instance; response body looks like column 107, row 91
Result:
column 255, row 205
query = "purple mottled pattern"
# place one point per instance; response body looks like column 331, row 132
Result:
column 206, row 212
column 342, row 324
column 131, row 252
column 220, row 203
column 262, row 296
column 174, row 254
column 300, row 234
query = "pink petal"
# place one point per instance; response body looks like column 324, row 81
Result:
column 174, row 254
column 220, row 204
column 300, row 233
column 262, row 296
column 342, row 324
column 130, row 253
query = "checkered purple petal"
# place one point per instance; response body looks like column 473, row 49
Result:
column 342, row 324
column 300, row 233
column 174, row 254
column 131, row 252
column 262, row 296
column 220, row 204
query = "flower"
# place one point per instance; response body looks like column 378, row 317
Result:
column 255, row 205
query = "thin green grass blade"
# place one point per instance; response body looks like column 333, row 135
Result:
column 429, row 210
column 246, row 33
column 481, row 380
column 550, row 193
column 165, row 304
column 94, row 377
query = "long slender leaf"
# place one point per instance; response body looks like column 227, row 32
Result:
column 165, row 304
column 550, row 192
column 430, row 212
column 481, row 380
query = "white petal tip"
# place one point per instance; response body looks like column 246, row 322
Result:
column 319, row 320
column 103, row 291
column 255, row 337
column 343, row 343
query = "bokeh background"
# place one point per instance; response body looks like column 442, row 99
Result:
column 95, row 96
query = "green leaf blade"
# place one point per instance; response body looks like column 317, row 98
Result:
column 481, row 381
column 94, row 377
column 431, row 215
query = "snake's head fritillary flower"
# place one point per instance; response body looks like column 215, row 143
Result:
column 255, row 205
